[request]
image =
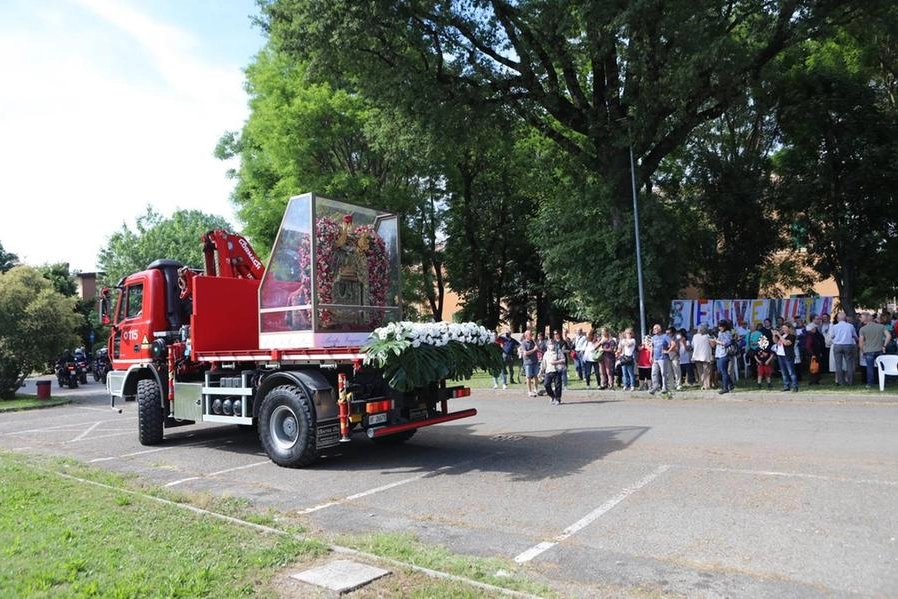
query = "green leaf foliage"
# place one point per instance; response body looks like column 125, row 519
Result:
column 837, row 172
column 409, row 361
column 36, row 324
column 178, row 237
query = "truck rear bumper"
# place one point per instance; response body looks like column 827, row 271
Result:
column 405, row 426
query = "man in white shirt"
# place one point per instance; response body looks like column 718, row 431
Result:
column 581, row 346
column 844, row 338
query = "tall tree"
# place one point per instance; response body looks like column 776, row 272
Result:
column 720, row 182
column 837, row 173
column 597, row 78
column 178, row 237
column 36, row 324
column 490, row 260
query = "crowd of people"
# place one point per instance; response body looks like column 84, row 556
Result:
column 671, row 359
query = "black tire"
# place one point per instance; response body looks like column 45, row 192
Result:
column 287, row 427
column 96, row 376
column 73, row 383
column 395, row 438
column 82, row 379
column 150, row 415
column 103, row 378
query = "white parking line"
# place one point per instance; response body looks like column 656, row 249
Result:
column 234, row 469
column 145, row 451
column 591, row 516
column 387, row 487
column 95, row 437
column 87, row 432
column 182, row 480
column 776, row 473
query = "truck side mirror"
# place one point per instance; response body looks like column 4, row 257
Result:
column 104, row 306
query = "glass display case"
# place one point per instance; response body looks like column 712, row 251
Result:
column 333, row 275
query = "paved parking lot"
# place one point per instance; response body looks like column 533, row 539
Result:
column 757, row 495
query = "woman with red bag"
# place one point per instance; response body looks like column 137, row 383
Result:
column 814, row 347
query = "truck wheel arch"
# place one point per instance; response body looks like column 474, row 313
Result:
column 136, row 374
column 321, row 394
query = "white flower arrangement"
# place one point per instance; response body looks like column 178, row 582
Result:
column 437, row 334
column 418, row 354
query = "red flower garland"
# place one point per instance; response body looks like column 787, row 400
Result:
column 327, row 232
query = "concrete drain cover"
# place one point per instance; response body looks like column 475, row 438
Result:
column 506, row 438
column 341, row 575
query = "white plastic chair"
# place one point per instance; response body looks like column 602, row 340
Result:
column 887, row 365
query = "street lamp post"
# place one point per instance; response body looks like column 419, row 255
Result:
column 638, row 245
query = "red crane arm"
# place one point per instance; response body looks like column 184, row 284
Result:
column 225, row 255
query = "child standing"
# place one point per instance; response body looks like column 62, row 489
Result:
column 764, row 361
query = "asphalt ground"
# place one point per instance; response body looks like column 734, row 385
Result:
column 752, row 494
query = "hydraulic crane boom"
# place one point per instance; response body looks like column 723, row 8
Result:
column 224, row 255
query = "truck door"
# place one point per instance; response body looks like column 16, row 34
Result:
column 131, row 332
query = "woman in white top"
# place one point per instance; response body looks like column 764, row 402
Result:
column 626, row 355
column 701, row 356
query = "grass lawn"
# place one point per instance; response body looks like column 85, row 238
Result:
column 29, row 402
column 61, row 537
column 71, row 530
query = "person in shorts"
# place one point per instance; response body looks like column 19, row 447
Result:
column 763, row 359
column 529, row 351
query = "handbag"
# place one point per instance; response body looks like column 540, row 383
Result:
column 732, row 350
column 625, row 359
column 814, row 366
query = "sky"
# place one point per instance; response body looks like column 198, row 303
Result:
column 110, row 106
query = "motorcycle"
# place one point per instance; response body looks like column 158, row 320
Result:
column 67, row 374
column 81, row 365
column 101, row 365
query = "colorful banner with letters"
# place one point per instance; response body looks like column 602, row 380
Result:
column 688, row 314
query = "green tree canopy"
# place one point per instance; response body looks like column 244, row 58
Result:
column 36, row 324
column 60, row 277
column 7, row 259
column 837, row 173
column 595, row 78
column 176, row 238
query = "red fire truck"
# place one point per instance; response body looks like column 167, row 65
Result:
column 278, row 348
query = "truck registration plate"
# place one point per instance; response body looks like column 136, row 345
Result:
column 376, row 419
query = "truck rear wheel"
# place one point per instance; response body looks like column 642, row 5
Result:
column 286, row 427
column 150, row 416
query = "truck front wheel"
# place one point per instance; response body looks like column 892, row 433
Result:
column 286, row 427
column 150, row 416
